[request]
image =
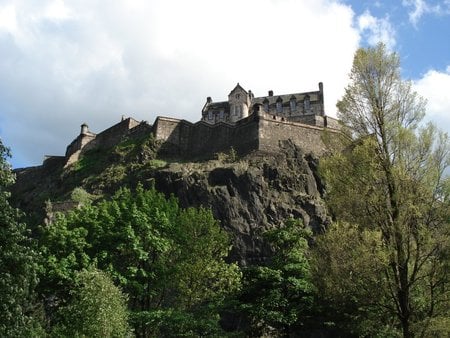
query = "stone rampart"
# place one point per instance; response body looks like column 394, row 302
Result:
column 257, row 132
column 272, row 131
column 111, row 136
column 183, row 139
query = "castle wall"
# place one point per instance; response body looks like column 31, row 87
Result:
column 182, row 138
column 271, row 131
column 311, row 119
column 210, row 139
column 257, row 132
column 106, row 139
column 113, row 135
column 332, row 123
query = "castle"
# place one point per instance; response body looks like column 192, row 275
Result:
column 244, row 123
column 297, row 107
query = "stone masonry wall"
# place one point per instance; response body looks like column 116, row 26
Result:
column 309, row 138
column 114, row 134
column 180, row 138
column 257, row 132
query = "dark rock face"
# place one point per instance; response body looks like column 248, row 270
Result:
column 253, row 195
column 247, row 196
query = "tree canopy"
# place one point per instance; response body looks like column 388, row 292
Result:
column 390, row 180
column 18, row 263
column 168, row 260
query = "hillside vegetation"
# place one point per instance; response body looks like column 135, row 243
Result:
column 128, row 242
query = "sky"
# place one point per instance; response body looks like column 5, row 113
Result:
column 64, row 63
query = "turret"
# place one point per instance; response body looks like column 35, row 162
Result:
column 84, row 129
column 239, row 101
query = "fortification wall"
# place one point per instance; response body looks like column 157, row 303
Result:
column 311, row 119
column 182, row 138
column 210, row 139
column 257, row 132
column 309, row 138
column 111, row 136
column 332, row 123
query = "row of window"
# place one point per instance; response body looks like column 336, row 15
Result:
column 235, row 110
column 292, row 105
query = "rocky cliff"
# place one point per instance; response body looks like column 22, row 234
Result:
column 248, row 195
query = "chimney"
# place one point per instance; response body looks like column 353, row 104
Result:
column 322, row 101
column 270, row 92
column 208, row 99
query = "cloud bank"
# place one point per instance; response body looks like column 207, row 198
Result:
column 434, row 87
column 65, row 63
column 68, row 62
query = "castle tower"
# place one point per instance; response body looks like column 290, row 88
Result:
column 239, row 100
column 84, row 129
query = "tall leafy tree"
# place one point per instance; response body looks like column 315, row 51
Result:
column 277, row 297
column 97, row 308
column 392, row 181
column 18, row 262
column 170, row 261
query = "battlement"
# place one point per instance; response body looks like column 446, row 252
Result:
column 107, row 138
column 258, row 127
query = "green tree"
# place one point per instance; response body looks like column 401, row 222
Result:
column 170, row 261
column 97, row 308
column 18, row 267
column 347, row 262
column 391, row 181
column 278, row 297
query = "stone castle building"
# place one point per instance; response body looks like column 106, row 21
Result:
column 297, row 107
column 245, row 123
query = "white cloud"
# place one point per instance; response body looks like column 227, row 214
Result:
column 376, row 29
column 94, row 60
column 8, row 22
column 419, row 8
column 434, row 87
column 57, row 10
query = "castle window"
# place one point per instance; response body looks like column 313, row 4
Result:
column 238, row 110
column 279, row 105
column 238, row 96
column 293, row 104
column 210, row 115
column 266, row 105
column 221, row 114
column 306, row 103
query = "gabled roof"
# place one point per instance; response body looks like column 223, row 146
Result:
column 238, row 87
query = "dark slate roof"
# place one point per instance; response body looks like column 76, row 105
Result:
column 218, row 105
column 313, row 96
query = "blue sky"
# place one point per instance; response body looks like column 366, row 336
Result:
column 63, row 63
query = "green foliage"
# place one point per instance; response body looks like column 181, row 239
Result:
column 157, row 163
column 91, row 161
column 169, row 261
column 279, row 296
column 18, row 264
column 389, row 185
column 229, row 157
column 348, row 267
column 97, row 308
column 81, row 196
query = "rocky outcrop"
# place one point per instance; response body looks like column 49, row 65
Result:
column 247, row 195
column 252, row 195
